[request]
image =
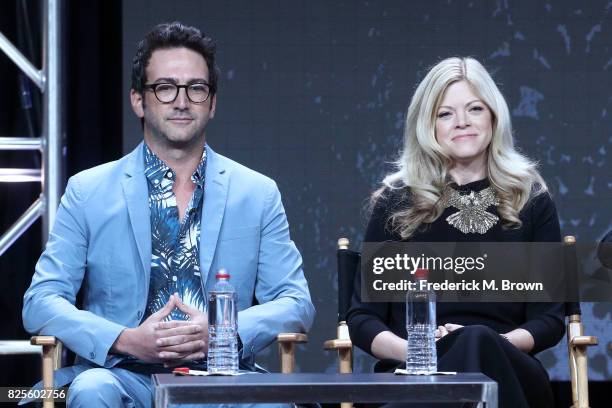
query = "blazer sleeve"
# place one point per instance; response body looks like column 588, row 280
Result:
column 280, row 289
column 49, row 303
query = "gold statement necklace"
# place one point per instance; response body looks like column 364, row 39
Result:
column 472, row 216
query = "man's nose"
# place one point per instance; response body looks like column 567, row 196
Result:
column 182, row 100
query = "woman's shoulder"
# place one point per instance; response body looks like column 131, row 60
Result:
column 540, row 214
column 385, row 202
column 540, row 200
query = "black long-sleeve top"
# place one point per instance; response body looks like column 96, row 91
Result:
column 545, row 321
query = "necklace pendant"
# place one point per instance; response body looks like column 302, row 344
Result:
column 472, row 217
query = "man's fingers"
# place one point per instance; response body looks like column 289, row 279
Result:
column 172, row 324
column 182, row 350
column 191, row 311
column 171, row 355
column 175, row 340
column 166, row 310
column 185, row 359
column 187, row 329
column 193, row 346
column 194, row 314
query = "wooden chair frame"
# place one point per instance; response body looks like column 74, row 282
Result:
column 51, row 361
column 577, row 344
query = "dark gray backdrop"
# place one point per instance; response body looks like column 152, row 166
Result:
column 313, row 94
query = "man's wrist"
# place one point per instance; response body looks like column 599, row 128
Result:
column 123, row 342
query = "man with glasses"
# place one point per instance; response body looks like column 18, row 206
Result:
column 144, row 236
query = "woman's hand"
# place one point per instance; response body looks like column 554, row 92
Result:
column 442, row 331
column 519, row 338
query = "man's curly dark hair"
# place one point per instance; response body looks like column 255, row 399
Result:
column 172, row 35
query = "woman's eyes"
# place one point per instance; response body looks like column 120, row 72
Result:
column 447, row 114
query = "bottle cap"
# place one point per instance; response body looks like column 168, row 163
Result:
column 222, row 274
column 421, row 273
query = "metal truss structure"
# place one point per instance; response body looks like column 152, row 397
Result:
column 48, row 79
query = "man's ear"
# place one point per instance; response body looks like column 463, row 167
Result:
column 137, row 101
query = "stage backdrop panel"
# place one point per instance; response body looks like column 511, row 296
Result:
column 314, row 94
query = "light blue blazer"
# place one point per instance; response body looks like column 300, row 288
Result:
column 101, row 244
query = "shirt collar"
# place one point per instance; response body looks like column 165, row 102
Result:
column 198, row 175
column 156, row 169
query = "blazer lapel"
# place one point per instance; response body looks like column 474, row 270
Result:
column 215, row 198
column 137, row 199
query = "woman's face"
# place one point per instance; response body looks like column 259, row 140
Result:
column 463, row 124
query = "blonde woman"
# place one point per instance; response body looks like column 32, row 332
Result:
column 458, row 152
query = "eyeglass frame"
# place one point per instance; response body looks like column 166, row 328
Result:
column 153, row 87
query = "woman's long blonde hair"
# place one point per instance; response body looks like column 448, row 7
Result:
column 422, row 167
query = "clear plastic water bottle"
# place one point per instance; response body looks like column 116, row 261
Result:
column 421, row 356
column 222, row 327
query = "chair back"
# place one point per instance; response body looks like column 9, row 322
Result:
column 570, row 259
column 572, row 308
column 348, row 265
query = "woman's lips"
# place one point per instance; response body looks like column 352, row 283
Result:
column 466, row 136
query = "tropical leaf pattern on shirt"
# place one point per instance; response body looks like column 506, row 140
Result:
column 175, row 244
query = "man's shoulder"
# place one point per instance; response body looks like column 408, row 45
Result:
column 104, row 170
column 99, row 172
column 243, row 175
column 99, row 179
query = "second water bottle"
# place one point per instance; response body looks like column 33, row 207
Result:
column 421, row 356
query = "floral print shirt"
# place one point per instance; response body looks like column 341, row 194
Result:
column 175, row 244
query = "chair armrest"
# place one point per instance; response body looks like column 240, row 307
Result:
column 286, row 349
column 577, row 345
column 338, row 344
column 584, row 341
column 345, row 353
column 344, row 345
column 44, row 340
column 292, row 338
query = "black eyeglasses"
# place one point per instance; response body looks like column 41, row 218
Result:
column 166, row 92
